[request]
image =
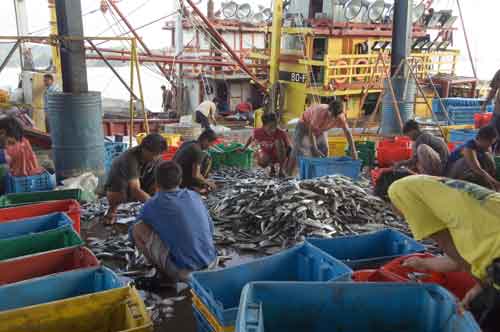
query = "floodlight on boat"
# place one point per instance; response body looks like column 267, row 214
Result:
column 376, row 10
column 229, row 9
column 258, row 18
column 244, row 11
column 352, row 8
column 268, row 14
column 417, row 11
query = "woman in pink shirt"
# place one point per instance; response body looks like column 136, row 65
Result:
column 19, row 155
column 310, row 138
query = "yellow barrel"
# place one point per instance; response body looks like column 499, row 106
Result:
column 336, row 146
column 258, row 118
column 172, row 139
column 117, row 310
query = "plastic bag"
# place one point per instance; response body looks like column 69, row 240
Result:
column 87, row 182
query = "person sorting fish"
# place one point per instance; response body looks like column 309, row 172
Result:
column 174, row 229
column 195, row 162
column 464, row 220
column 494, row 95
column 473, row 160
column 131, row 177
column 205, row 114
column 430, row 153
column 274, row 145
column 310, row 138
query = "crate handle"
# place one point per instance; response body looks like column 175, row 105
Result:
column 253, row 315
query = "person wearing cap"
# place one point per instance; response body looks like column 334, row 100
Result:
column 131, row 176
column 464, row 220
column 311, row 132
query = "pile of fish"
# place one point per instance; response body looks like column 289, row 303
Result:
column 160, row 308
column 264, row 214
column 126, row 212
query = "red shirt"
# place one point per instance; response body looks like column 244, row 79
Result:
column 23, row 161
column 267, row 141
column 244, row 107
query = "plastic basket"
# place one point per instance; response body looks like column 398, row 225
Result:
column 115, row 310
column 46, row 263
column 70, row 207
column 462, row 136
column 447, row 129
column 337, row 146
column 12, row 200
column 24, row 184
column 390, row 151
column 39, row 242
column 497, row 163
column 33, row 225
column 368, row 251
column 169, row 155
column 113, row 150
column 377, row 172
column 375, row 276
column 219, row 291
column 316, row 167
column 458, row 283
column 367, row 307
column 229, row 156
column 171, row 139
column 366, row 152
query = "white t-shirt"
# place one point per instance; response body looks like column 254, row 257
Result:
column 206, row 107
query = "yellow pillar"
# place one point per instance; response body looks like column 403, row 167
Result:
column 56, row 58
column 274, row 61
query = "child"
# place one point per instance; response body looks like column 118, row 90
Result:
column 18, row 153
column 274, row 144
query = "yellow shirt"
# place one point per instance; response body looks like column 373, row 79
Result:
column 470, row 212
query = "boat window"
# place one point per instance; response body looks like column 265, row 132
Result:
column 319, row 48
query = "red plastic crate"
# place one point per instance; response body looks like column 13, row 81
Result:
column 70, row 207
column 377, row 172
column 452, row 147
column 169, row 155
column 458, row 283
column 482, row 119
column 375, row 276
column 390, row 151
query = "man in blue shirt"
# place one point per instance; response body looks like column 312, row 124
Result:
column 473, row 161
column 50, row 87
column 175, row 230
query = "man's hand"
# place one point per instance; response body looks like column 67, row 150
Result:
column 240, row 150
column 316, row 153
column 211, row 184
column 416, row 263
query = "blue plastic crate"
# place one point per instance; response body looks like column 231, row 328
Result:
column 40, row 224
column 58, row 286
column 220, row 290
column 462, row 135
column 24, row 184
column 202, row 325
column 112, row 150
column 316, row 167
column 367, row 307
column 368, row 251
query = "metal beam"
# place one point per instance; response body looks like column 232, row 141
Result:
column 9, row 56
column 401, row 35
column 137, row 37
column 103, row 58
column 73, row 66
column 220, row 39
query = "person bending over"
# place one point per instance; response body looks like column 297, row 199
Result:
column 195, row 163
column 464, row 220
column 131, row 177
column 473, row 160
column 205, row 114
column 174, row 229
column 274, row 144
column 430, row 153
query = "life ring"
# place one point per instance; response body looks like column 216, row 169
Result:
column 341, row 71
column 360, row 72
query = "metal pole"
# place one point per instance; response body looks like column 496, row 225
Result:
column 21, row 24
column 466, row 39
column 179, row 48
column 274, row 61
column 132, row 99
column 401, row 35
column 103, row 58
column 9, row 56
column 228, row 48
column 137, row 37
column 73, row 66
column 139, row 83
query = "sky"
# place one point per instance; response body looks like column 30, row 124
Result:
column 479, row 16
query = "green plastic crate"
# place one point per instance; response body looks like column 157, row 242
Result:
column 228, row 156
column 39, row 242
column 366, row 152
column 43, row 196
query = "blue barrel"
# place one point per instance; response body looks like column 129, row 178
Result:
column 77, row 137
column 405, row 91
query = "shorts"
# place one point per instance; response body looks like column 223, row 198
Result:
column 202, row 120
